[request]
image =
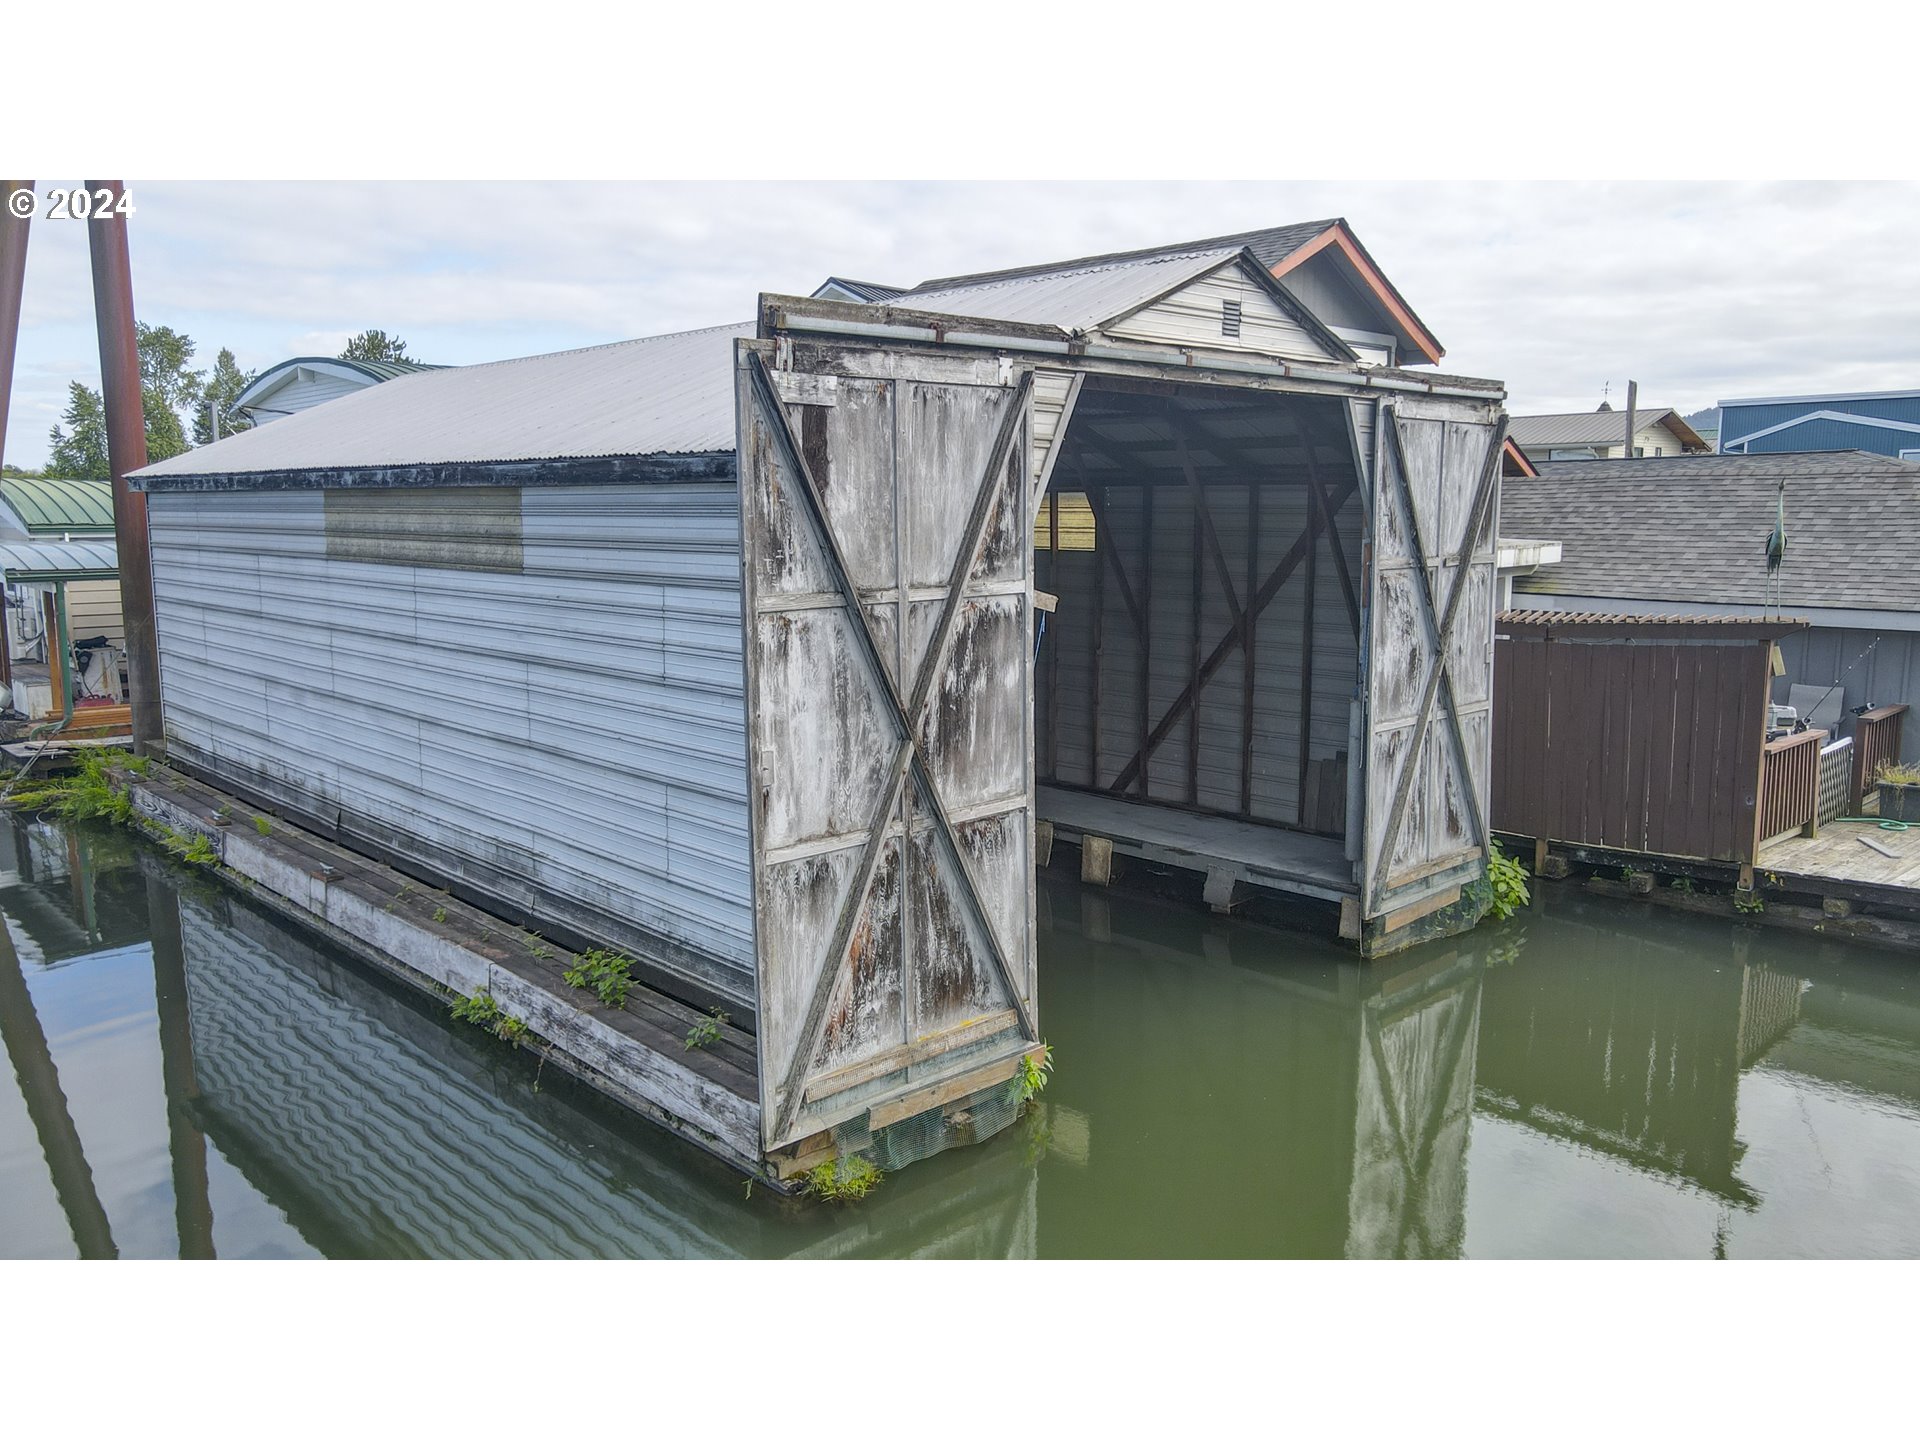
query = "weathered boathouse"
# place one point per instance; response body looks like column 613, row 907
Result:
column 726, row 649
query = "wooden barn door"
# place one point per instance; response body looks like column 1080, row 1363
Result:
column 886, row 514
column 1430, row 658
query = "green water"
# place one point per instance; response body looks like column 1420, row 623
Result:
column 188, row 1076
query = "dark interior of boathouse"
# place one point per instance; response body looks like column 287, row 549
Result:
column 1195, row 681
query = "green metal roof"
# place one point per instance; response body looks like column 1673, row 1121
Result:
column 25, row 560
column 57, row 507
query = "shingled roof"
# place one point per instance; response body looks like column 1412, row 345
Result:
column 1693, row 529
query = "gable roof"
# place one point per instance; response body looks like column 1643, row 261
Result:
column 1596, row 427
column 666, row 395
column 1082, row 297
column 374, row 371
column 1693, row 529
column 1277, row 249
column 47, row 506
column 868, row 290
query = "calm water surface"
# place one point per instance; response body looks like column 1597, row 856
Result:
column 191, row 1077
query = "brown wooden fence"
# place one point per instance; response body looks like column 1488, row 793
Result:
column 1789, row 784
column 1876, row 741
column 1634, row 733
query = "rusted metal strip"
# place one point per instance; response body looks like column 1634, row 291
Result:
column 908, row 758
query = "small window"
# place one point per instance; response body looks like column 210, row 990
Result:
column 1076, row 522
column 1230, row 319
column 1911, row 455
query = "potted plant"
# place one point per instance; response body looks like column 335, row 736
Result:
column 1899, row 787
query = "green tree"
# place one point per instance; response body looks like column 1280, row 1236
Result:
column 222, row 387
column 79, row 450
column 375, row 345
column 79, row 443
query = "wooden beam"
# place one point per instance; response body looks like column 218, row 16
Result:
column 1193, row 651
column 1146, row 630
column 1306, row 677
column 1262, row 597
column 1098, row 505
column 1246, row 632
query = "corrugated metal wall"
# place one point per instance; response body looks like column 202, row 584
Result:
column 562, row 729
column 1737, row 421
column 1170, row 604
column 1887, row 675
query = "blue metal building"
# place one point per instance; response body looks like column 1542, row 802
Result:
column 1884, row 422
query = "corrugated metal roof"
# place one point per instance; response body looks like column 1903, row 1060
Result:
column 60, row 506
column 1270, row 246
column 869, row 290
column 58, row 559
column 1692, row 529
column 1073, row 299
column 665, row 395
column 1584, row 427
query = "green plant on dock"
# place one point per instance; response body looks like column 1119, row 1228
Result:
column 479, row 1008
column 706, row 1030
column 439, row 914
column 1891, row 772
column 89, row 793
column 1627, row 872
column 1508, row 881
column 193, row 849
column 842, row 1181
column 1682, row 883
column 1032, row 1076
column 1748, row 902
column 483, row 1010
column 263, row 824
column 605, row 972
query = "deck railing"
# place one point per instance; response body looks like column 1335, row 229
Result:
column 1836, row 779
column 1789, row 785
column 1876, row 740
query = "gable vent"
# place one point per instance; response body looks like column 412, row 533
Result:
column 1230, row 318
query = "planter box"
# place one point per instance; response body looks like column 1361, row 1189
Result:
column 1899, row 802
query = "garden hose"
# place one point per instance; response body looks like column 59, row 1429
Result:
column 1872, row 820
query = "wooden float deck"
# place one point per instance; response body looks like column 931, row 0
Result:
column 1839, row 861
column 1262, row 856
column 636, row 1054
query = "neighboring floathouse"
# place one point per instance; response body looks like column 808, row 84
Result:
column 1688, row 535
column 308, row 380
column 1602, row 435
column 1882, row 422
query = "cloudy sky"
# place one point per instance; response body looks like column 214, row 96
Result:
column 1698, row 291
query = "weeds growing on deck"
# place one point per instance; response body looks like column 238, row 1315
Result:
column 483, row 1010
column 193, row 849
column 1748, row 902
column 605, row 972
column 1509, row 884
column 844, row 1180
column 1032, row 1076
column 1682, row 883
column 706, row 1030
column 439, row 914
column 263, row 824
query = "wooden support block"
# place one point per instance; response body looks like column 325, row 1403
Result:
column 1836, row 908
column 1222, row 891
column 1349, row 917
column 1539, row 856
column 1042, row 844
column 1641, row 883
column 1096, row 860
column 1746, row 878
column 1554, row 867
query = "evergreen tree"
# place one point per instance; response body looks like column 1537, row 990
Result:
column 222, row 386
column 375, row 345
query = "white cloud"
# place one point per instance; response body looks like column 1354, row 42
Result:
column 1698, row 291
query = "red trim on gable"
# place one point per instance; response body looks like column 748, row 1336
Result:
column 1339, row 236
column 1513, row 461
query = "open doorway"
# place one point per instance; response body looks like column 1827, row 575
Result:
column 1196, row 681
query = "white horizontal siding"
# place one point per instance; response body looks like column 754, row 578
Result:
column 93, row 608
column 570, row 736
column 1191, row 317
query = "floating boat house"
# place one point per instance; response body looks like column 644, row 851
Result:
column 777, row 655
